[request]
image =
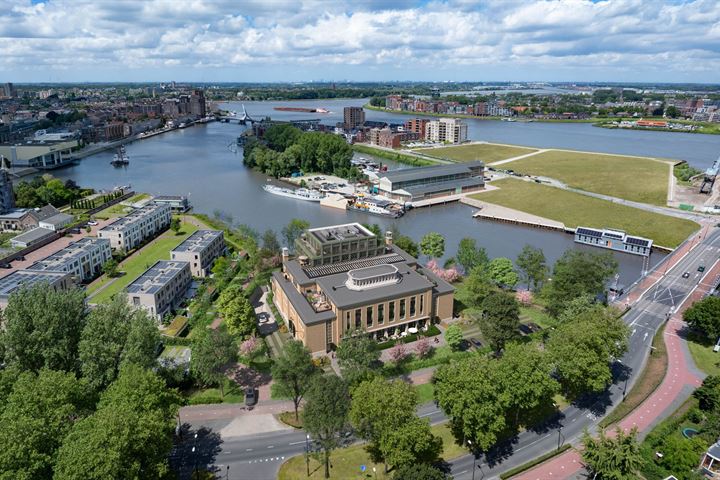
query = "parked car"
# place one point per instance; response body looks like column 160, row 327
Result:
column 686, row 275
column 5, row 265
column 92, row 223
column 250, row 397
column 476, row 343
column 701, row 268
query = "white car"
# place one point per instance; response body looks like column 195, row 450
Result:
column 92, row 223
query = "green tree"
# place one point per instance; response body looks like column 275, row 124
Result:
column 531, row 262
column 411, row 443
column 293, row 230
column 708, row 394
column 500, row 319
column 280, row 137
column 357, row 354
column 419, row 471
column 454, row 336
column 433, row 245
column 110, row 268
column 501, row 272
column 42, row 328
column 212, row 351
column 239, row 316
column 577, row 307
column 470, row 256
column 270, row 242
column 475, row 289
column 672, row 111
column 293, row 371
column 38, row 414
column 705, row 316
column 175, row 225
column 325, row 415
column 681, row 454
column 406, row 243
column 616, row 458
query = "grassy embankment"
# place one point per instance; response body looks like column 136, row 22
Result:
column 395, row 157
column 119, row 209
column 487, row 152
column 574, row 209
column 701, row 349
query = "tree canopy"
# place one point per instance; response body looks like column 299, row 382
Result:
column 433, row 245
column 212, row 351
column 613, row 458
column 292, row 231
column 500, row 319
column 469, row 255
column 531, row 262
column 407, row 244
column 705, row 316
column 501, row 272
column 356, row 354
column 293, row 371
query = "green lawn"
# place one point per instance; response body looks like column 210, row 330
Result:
column 138, row 262
column 632, row 178
column 574, row 209
column 486, row 152
column 536, row 315
column 425, row 392
column 703, row 355
column 233, row 394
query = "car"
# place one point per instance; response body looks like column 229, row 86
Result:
column 476, row 343
column 21, row 258
column 686, row 274
column 250, row 397
column 5, row 265
column 701, row 268
column 92, row 223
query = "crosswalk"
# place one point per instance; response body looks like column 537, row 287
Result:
column 265, row 460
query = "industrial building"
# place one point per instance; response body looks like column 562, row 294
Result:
column 40, row 154
column 129, row 231
column 83, row 259
column 28, row 278
column 378, row 288
column 161, row 288
column 200, row 250
column 412, row 184
column 32, row 237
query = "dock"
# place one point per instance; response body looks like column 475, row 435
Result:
column 497, row 213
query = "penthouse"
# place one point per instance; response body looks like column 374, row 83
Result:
column 82, row 259
column 339, row 243
column 27, row 278
column 412, row 184
column 200, row 250
column 160, row 288
column 382, row 291
column 128, row 232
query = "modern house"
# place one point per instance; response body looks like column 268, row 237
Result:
column 356, row 283
column 82, row 259
column 28, row 278
column 161, row 288
column 614, row 240
column 412, row 184
column 710, row 463
column 178, row 203
column 129, row 231
column 200, row 250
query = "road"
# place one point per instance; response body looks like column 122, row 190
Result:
column 260, row 456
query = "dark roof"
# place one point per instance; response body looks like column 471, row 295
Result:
column 28, row 278
column 714, row 450
column 307, row 314
column 59, row 219
column 590, row 232
column 442, row 186
column 157, row 276
column 419, row 173
column 198, row 241
column 44, row 212
column 441, row 286
column 33, row 235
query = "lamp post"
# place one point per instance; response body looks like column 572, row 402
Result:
column 559, row 435
column 474, row 458
column 307, row 454
column 227, row 472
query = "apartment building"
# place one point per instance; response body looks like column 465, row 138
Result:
column 446, row 130
column 374, row 286
column 28, row 278
column 161, row 288
column 200, row 250
column 353, row 117
column 129, row 231
column 83, row 259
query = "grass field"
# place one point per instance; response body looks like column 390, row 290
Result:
column 425, row 392
column 701, row 350
column 574, row 209
column 632, row 178
column 482, row 151
column 138, row 262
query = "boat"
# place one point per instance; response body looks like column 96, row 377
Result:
column 298, row 194
column 120, row 159
column 301, row 109
column 375, row 206
column 508, row 119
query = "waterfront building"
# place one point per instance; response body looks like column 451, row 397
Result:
column 57, row 221
column 197, row 103
column 129, row 231
column 39, row 154
column 200, row 250
column 446, row 130
column 353, row 281
column 614, row 240
column 417, row 126
column 83, row 259
column 160, row 288
column 177, row 203
column 27, row 278
column 412, row 184
column 353, row 117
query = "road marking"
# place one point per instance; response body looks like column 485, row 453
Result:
column 248, row 449
column 271, row 446
column 297, row 443
column 428, row 414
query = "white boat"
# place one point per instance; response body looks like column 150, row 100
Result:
column 376, row 206
column 299, row 194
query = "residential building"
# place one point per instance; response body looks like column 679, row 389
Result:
column 446, row 130
column 129, row 231
column 614, row 240
column 27, row 278
column 353, row 117
column 197, row 103
column 417, row 125
column 710, row 463
column 7, row 196
column 32, row 237
column 39, row 154
column 412, row 184
column 18, row 219
column 57, row 221
column 365, row 285
column 83, row 259
column 161, row 288
column 177, row 203
column 9, row 90
column 200, row 250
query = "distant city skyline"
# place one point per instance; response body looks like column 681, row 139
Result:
column 288, row 40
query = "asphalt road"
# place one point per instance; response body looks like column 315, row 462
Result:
column 260, row 456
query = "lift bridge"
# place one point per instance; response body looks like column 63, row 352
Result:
column 242, row 118
column 710, row 176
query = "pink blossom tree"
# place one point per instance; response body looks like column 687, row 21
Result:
column 249, row 347
column 398, row 353
column 524, row 297
column 451, row 274
column 423, row 347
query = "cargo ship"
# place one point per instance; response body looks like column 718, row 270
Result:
column 301, row 109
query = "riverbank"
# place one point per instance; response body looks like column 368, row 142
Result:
column 703, row 128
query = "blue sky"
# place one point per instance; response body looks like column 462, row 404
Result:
column 303, row 40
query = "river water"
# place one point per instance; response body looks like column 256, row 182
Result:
column 197, row 162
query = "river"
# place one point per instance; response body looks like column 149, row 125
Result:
column 197, row 162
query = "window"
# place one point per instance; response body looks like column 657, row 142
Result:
column 422, row 304
column 391, row 312
column 358, row 315
column 381, row 314
column 369, row 317
column 347, row 321
column 402, row 308
column 412, row 306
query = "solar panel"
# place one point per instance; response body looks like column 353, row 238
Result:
column 637, row 241
column 589, row 232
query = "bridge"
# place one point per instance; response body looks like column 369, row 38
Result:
column 242, row 119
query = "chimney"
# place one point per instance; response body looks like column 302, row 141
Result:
column 303, row 260
column 388, row 240
column 285, row 257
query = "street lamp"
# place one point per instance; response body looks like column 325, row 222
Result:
column 559, row 435
column 474, row 458
column 307, row 454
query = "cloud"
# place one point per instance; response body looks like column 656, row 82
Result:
column 299, row 40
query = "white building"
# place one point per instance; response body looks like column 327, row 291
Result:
column 26, row 278
column 446, row 130
column 83, row 259
column 129, row 231
column 160, row 288
column 200, row 250
column 57, row 222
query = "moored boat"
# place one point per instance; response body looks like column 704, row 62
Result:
column 298, row 194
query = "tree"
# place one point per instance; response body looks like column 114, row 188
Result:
column 708, row 394
column 239, row 316
column 423, row 347
column 433, row 245
column 110, row 268
column 293, row 230
column 616, row 458
column 454, row 336
column 672, row 111
column 42, row 328
column 325, row 415
column 411, row 443
column 419, row 471
column 37, row 415
column 470, row 256
column 475, row 289
column 406, row 243
column 681, row 454
column 270, row 242
column 115, row 334
column 356, row 354
column 705, row 316
column 501, row 272
column 175, row 225
column 532, row 264
column 212, row 351
column 500, row 319
column 293, row 371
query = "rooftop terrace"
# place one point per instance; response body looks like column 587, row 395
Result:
column 155, row 277
column 349, row 231
column 198, row 241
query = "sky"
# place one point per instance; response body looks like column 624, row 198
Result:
column 373, row 40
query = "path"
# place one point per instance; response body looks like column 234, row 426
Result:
column 519, row 157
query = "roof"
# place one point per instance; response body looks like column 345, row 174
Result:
column 441, row 287
column 157, row 276
column 134, row 216
column 72, row 252
column 33, row 235
column 169, row 198
column 441, row 186
column 15, row 214
column 419, row 173
column 714, row 450
column 306, row 313
column 59, row 219
column 45, row 212
column 334, row 233
column 198, row 241
column 20, row 278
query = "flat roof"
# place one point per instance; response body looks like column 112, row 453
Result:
column 33, row 235
column 420, row 173
column 169, row 198
column 70, row 253
column 20, row 278
column 333, row 233
column 157, row 276
column 132, row 217
column 441, row 186
column 60, row 218
column 198, row 241
column 307, row 314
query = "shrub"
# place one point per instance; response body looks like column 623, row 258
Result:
column 249, row 347
column 454, row 336
column 398, row 353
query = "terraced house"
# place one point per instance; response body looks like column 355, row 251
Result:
column 83, row 259
column 200, row 250
column 161, row 288
column 129, row 231
column 346, row 279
